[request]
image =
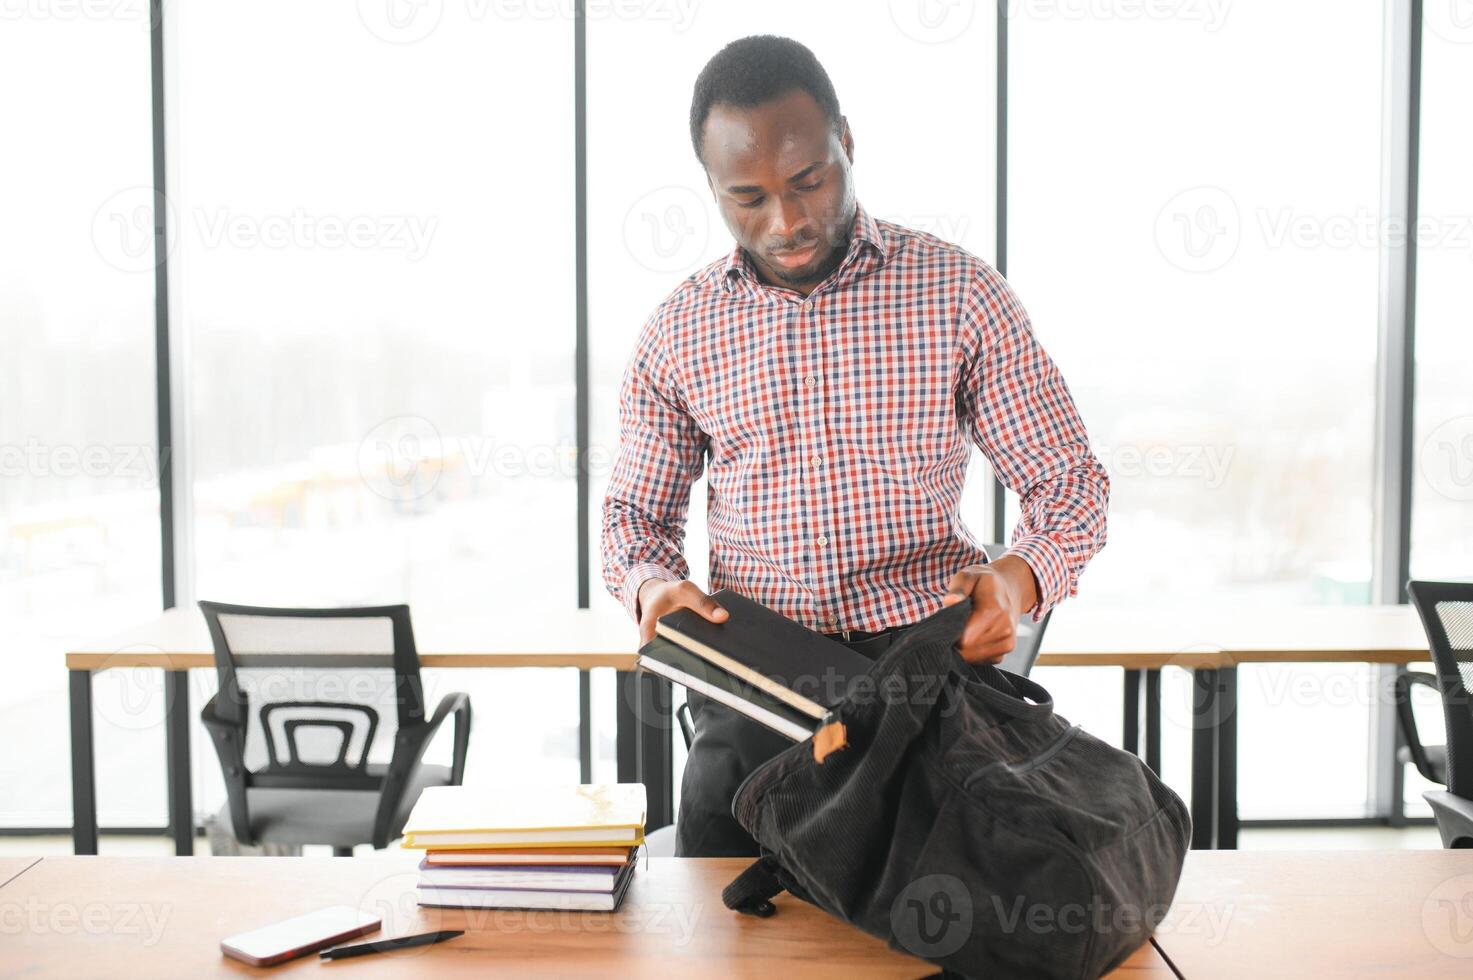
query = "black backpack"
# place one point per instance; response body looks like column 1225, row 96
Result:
column 965, row 822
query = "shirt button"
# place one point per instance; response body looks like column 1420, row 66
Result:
column 810, row 381
column 816, row 461
column 823, row 539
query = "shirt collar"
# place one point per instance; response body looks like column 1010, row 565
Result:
column 864, row 230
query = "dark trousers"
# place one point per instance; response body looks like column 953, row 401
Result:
column 726, row 748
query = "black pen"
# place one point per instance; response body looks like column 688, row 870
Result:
column 384, row 945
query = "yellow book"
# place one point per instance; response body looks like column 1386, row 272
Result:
column 475, row 817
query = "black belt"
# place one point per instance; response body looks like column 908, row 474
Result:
column 849, row 636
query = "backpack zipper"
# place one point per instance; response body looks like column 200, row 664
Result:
column 1053, row 749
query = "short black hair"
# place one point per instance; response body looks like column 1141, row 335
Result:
column 757, row 69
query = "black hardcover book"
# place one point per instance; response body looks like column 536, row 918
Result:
column 678, row 665
column 794, row 664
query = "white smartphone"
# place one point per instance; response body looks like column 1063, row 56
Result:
column 298, row 936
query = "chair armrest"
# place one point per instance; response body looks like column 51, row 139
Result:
column 229, row 738
column 1407, row 720
column 458, row 704
column 687, row 727
column 410, row 744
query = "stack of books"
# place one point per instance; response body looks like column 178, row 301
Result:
column 527, row 847
column 758, row 662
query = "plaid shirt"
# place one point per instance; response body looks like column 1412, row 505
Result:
column 833, row 430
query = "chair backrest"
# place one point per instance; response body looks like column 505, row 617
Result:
column 318, row 692
column 1030, row 634
column 1446, row 609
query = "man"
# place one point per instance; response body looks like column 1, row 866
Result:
column 827, row 376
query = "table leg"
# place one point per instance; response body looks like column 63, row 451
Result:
column 84, row 782
column 1205, row 734
column 1227, row 758
column 642, row 738
column 176, row 752
column 585, row 727
column 1130, row 737
column 1153, row 720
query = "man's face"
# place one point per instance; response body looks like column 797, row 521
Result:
column 781, row 176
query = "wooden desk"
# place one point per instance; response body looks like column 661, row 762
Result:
column 1269, row 914
column 165, row 917
column 13, row 867
column 1209, row 642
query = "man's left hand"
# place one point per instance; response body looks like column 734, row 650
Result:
column 1001, row 592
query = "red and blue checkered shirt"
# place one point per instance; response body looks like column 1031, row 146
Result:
column 834, row 432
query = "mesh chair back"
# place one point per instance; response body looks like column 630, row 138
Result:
column 1446, row 609
column 320, row 692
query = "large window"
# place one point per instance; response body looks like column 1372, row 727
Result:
column 1193, row 201
column 1442, row 488
column 79, row 505
column 375, row 259
column 1442, row 480
column 371, row 216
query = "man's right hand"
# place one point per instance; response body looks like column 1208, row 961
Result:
column 658, row 597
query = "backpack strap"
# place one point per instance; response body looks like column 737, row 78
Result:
column 750, row 891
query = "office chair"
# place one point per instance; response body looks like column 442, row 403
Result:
column 310, row 702
column 1446, row 610
column 1430, row 760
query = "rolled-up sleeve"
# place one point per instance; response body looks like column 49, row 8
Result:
column 661, row 453
column 1019, row 412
